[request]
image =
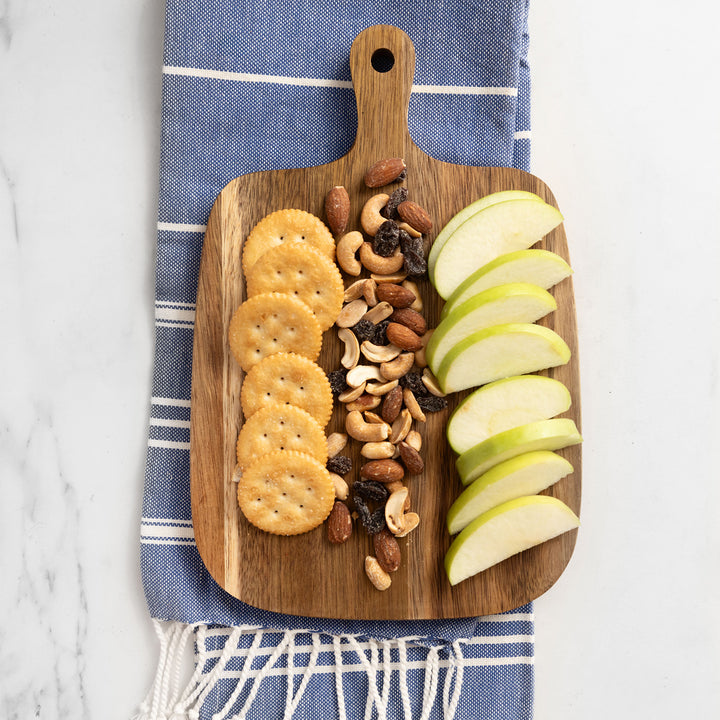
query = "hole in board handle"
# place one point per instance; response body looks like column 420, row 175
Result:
column 382, row 60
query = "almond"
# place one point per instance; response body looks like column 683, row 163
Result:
column 339, row 524
column 415, row 216
column 410, row 319
column 411, row 458
column 403, row 337
column 383, row 471
column 384, row 172
column 387, row 550
column 337, row 209
column 395, row 295
column 392, row 404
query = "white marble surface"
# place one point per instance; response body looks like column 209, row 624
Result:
column 625, row 132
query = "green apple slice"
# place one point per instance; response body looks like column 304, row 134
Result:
column 498, row 352
column 504, row 531
column 539, row 267
column 526, row 474
column 511, row 303
column 552, row 434
column 498, row 229
column 503, row 405
column 467, row 212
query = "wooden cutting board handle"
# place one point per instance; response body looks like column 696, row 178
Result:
column 382, row 64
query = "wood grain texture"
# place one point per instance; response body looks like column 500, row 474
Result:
column 304, row 575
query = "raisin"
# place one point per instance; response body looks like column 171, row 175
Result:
column 364, row 330
column 390, row 209
column 373, row 521
column 340, row 465
column 337, row 381
column 386, row 239
column 379, row 336
column 410, row 244
column 370, row 490
column 432, row 403
column 414, row 264
column 413, row 381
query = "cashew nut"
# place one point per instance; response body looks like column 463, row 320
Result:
column 355, row 290
column 347, row 246
column 395, row 511
column 381, row 388
column 395, row 369
column 352, row 348
column 360, row 374
column 335, row 443
column 370, row 217
column 379, row 353
column 380, row 312
column 377, row 576
column 352, row 394
column 351, row 313
column 379, row 264
column 431, row 383
column 365, row 432
column 377, row 450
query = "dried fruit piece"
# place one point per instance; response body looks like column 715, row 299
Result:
column 373, row 522
column 432, row 403
column 340, row 464
column 337, row 209
column 379, row 336
column 396, row 197
column 413, row 381
column 370, row 490
column 386, row 239
column 337, row 381
column 364, row 330
column 339, row 524
column 387, row 550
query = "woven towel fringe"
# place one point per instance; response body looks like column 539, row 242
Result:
column 167, row 700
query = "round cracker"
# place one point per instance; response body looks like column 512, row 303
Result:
column 284, row 226
column 286, row 493
column 297, row 269
column 272, row 323
column 280, row 427
column 290, row 379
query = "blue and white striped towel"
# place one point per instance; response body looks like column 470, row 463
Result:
column 265, row 84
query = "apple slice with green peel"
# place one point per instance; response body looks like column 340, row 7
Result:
column 498, row 352
column 467, row 212
column 504, row 531
column 539, row 267
column 526, row 474
column 496, row 230
column 503, row 405
column 511, row 303
column 552, row 434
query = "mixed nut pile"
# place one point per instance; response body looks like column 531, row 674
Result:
column 383, row 382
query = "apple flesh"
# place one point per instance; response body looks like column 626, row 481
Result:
column 511, row 303
column 467, row 212
column 498, row 352
column 507, row 530
column 503, row 405
column 526, row 474
column 500, row 228
column 552, row 434
column 538, row 267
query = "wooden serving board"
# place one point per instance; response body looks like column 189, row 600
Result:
column 305, row 575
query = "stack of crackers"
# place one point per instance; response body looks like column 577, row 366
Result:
column 294, row 293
